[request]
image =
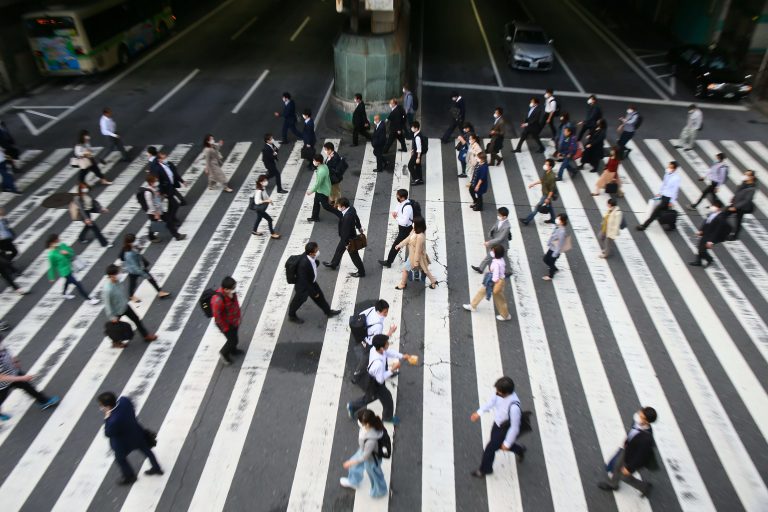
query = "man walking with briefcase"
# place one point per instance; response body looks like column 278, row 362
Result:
column 116, row 305
column 348, row 240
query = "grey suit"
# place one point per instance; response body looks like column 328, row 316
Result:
column 498, row 235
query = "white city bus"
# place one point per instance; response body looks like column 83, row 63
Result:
column 88, row 37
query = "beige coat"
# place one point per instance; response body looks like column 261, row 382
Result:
column 611, row 225
column 213, row 162
column 417, row 253
column 472, row 161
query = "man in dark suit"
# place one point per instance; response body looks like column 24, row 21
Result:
column 178, row 181
column 125, row 435
column 594, row 114
column 636, row 453
column 396, row 120
column 360, row 122
column 348, row 223
column 714, row 230
column 306, row 285
column 165, row 184
column 269, row 158
column 531, row 126
column 379, row 140
column 308, row 135
column 289, row 118
column 458, row 113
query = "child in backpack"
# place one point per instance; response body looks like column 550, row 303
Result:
column 366, row 457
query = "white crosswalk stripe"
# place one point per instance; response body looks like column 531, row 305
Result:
column 706, row 383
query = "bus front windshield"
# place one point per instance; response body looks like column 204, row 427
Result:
column 51, row 27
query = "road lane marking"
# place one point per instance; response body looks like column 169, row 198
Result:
column 40, row 107
column 173, row 91
column 31, row 127
column 250, row 91
column 569, row 72
column 21, row 210
column 298, row 30
column 575, row 94
column 324, row 103
column 487, row 45
column 245, row 27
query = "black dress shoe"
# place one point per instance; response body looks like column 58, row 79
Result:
column 356, row 274
column 311, row 219
column 282, row 191
column 295, row 319
column 378, row 170
column 606, row 486
column 640, row 227
column 126, row 481
column 477, row 474
column 333, row 312
column 516, row 151
column 237, row 352
column 549, row 221
column 540, row 150
column 385, row 263
column 524, row 221
column 153, row 471
column 477, row 269
column 695, row 264
column 329, row 265
column 183, row 203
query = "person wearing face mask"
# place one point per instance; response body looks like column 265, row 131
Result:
column 610, row 228
column 566, row 151
column 366, row 457
column 667, row 195
column 493, row 285
column 557, row 244
column 108, row 129
column 497, row 137
column 475, row 148
column 507, row 417
column 418, row 150
column 462, row 146
column 379, row 141
column 404, row 215
column 551, row 109
column 478, row 186
column 321, row 189
column 717, row 175
column 500, row 234
column 86, row 207
column 116, row 305
column 593, row 147
column 306, row 285
column 337, row 166
column 548, row 184
column 289, row 118
column 714, row 230
column 396, row 121
column 308, row 137
column 531, row 126
column 360, row 122
column 610, row 175
column 693, row 123
column 458, row 112
column 593, row 115
column 213, row 163
column 629, row 125
column 174, row 177
column 167, row 182
column 269, row 157
column 635, row 454
column 262, row 201
column 226, row 314
column 349, row 224
column 418, row 259
column 136, row 266
column 742, row 202
column 86, row 160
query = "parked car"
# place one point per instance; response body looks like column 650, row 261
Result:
column 528, row 47
column 709, row 72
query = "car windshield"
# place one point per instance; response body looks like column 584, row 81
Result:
column 530, row 37
column 719, row 63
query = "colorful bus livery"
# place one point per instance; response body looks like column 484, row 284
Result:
column 88, row 39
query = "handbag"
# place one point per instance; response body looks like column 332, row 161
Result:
column 118, row 331
column 543, row 208
column 611, row 188
column 150, row 437
column 307, row 153
column 359, row 242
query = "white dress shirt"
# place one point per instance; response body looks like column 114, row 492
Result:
column 417, row 142
column 671, row 185
column 314, row 267
column 377, row 364
column 503, row 408
column 168, row 172
column 551, row 105
column 718, row 172
column 108, row 126
column 695, row 118
column 375, row 323
column 405, row 217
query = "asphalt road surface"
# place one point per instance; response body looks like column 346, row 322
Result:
column 271, row 432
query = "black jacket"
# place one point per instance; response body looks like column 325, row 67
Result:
column 348, row 224
column 639, row 450
column 269, row 157
column 594, row 113
column 534, row 119
column 379, row 137
column 459, row 110
column 308, row 134
column 359, row 117
column 164, row 185
column 717, row 230
column 305, row 277
column 396, row 119
column 289, row 111
column 123, row 429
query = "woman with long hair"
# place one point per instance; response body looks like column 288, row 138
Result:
column 366, row 457
column 418, row 259
column 86, row 160
column 262, row 200
column 87, row 206
column 213, row 163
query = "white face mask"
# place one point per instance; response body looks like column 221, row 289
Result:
column 86, row 190
column 670, row 170
column 636, row 418
column 495, row 115
column 500, row 218
column 317, row 254
column 87, row 138
column 545, row 167
column 211, row 141
column 530, row 105
column 713, row 209
column 629, row 111
column 590, row 102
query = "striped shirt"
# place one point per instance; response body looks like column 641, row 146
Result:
column 6, row 367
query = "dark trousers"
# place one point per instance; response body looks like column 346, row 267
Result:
column 402, row 234
column 391, row 139
column 376, row 391
column 618, row 463
column 231, row 343
column 550, row 260
column 497, row 439
column 70, row 279
column 415, row 169
column 703, row 253
column 737, row 228
column 8, row 249
column 301, row 297
column 94, row 169
column 378, row 152
column 708, row 190
column 359, row 130
column 529, row 133
column 363, row 353
column 289, row 124
column 353, row 254
column 114, row 144
column 584, row 129
column 96, row 232
column 131, row 314
column 27, row 387
column 178, row 197
column 173, row 209
column 262, row 214
column 322, row 200
column 133, row 280
column 122, row 461
column 9, row 183
column 551, row 124
column 456, row 124
column 624, row 139
column 477, row 198
column 274, row 173
column 663, row 205
column 7, row 272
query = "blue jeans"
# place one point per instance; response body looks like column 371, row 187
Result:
column 565, row 165
column 535, row 210
column 375, row 474
column 70, row 279
column 8, row 182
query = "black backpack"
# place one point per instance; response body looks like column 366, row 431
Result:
column 639, row 121
column 359, row 326
column 424, row 144
column 415, row 104
column 337, row 173
column 384, row 446
column 292, row 267
column 205, row 301
column 525, row 420
column 141, row 199
column 558, row 106
column 416, row 208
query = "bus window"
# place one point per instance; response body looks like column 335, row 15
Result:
column 107, row 24
column 50, row 27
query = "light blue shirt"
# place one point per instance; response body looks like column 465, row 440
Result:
column 671, row 185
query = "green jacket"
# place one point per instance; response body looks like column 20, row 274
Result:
column 322, row 181
column 60, row 265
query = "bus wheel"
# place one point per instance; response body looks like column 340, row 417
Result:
column 123, row 57
column 162, row 30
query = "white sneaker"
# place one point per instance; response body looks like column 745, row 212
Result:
column 93, row 301
column 68, row 296
column 503, row 318
column 468, row 307
column 344, row 481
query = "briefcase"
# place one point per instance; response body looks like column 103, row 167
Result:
column 307, row 153
column 118, row 332
column 359, row 242
column 611, row 188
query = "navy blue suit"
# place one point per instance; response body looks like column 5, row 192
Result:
column 308, row 135
column 126, row 435
column 378, row 141
column 269, row 157
column 289, row 120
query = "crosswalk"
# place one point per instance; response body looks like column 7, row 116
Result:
column 270, row 432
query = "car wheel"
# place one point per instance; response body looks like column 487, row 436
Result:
column 123, row 57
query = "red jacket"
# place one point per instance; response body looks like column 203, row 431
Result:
column 226, row 311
